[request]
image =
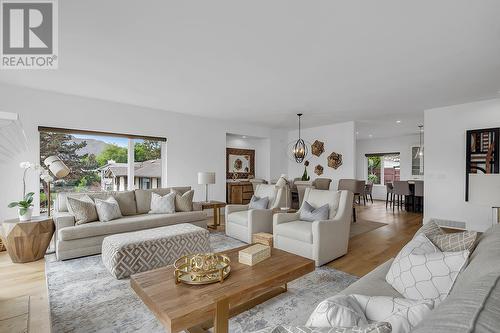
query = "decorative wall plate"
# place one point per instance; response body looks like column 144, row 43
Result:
column 317, row 148
column 334, row 160
column 318, row 170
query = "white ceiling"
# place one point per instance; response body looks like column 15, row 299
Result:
column 264, row 61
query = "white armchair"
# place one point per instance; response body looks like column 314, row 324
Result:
column 321, row 241
column 242, row 223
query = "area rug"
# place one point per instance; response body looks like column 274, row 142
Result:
column 362, row 226
column 84, row 297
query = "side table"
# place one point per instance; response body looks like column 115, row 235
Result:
column 27, row 241
column 216, row 206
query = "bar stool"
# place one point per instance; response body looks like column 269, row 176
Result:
column 389, row 197
column 401, row 191
column 418, row 196
column 360, row 191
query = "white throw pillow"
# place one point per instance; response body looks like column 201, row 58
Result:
column 403, row 314
column 337, row 311
column 421, row 271
column 108, row 209
column 162, row 204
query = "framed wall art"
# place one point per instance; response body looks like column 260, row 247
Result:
column 240, row 163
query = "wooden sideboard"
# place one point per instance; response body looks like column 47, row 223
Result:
column 239, row 193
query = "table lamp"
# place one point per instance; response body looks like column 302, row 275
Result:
column 484, row 189
column 206, row 178
column 283, row 184
column 58, row 169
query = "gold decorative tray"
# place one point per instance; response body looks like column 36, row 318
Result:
column 202, row 268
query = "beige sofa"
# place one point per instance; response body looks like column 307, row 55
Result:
column 473, row 304
column 74, row 241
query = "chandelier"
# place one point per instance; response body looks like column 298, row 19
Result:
column 299, row 148
column 420, row 151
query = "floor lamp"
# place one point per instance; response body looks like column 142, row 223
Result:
column 58, row 169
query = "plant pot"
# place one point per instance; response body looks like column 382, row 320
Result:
column 26, row 216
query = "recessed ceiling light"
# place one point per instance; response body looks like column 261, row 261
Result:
column 370, row 135
column 398, row 121
column 243, row 136
column 357, row 133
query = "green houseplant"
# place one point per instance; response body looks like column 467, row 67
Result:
column 25, row 207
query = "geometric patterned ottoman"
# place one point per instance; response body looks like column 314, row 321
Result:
column 139, row 251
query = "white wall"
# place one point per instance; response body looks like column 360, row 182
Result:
column 445, row 161
column 262, row 152
column 194, row 143
column 339, row 138
column 401, row 144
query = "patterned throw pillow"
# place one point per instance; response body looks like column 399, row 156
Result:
column 309, row 213
column 337, row 311
column 369, row 328
column 448, row 242
column 258, row 203
column 184, row 202
column 403, row 314
column 108, row 209
column 421, row 271
column 83, row 209
column 162, row 204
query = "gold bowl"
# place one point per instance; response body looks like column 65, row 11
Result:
column 202, row 268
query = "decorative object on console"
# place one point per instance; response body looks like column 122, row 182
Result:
column 484, row 190
column 58, row 169
column 202, row 268
column 299, row 150
column 318, row 170
column 284, row 184
column 206, row 178
column 317, row 148
column 334, row 160
column 305, row 177
column 254, row 254
column 482, row 154
column 240, row 163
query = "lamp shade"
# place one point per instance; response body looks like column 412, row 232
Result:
column 206, row 178
column 56, row 166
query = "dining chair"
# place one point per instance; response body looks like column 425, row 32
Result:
column 322, row 183
column 418, row 196
column 389, row 197
column 353, row 186
column 368, row 191
column 401, row 193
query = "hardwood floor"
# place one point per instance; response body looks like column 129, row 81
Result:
column 366, row 251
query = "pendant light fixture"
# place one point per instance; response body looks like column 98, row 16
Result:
column 299, row 148
column 420, row 151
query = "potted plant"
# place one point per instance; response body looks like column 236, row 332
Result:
column 25, row 207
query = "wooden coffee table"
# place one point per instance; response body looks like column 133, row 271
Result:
column 197, row 308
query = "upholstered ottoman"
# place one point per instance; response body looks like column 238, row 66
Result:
column 139, row 251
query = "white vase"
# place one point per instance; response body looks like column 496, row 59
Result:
column 26, row 216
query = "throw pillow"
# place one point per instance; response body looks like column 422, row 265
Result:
column 184, row 202
column 448, row 242
column 108, row 209
column 162, row 204
column 258, row 203
column 339, row 310
column 368, row 328
column 83, row 209
column 420, row 271
column 311, row 214
column 403, row 314
column 126, row 201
